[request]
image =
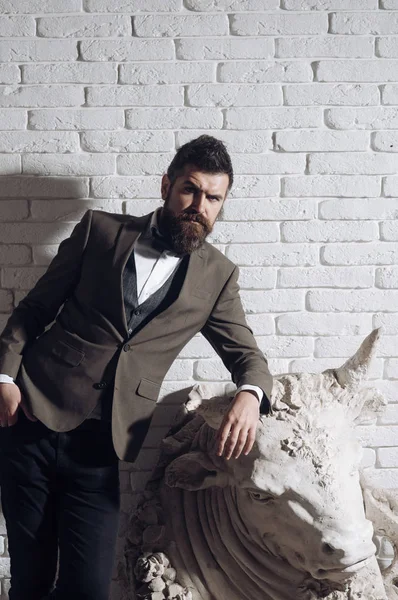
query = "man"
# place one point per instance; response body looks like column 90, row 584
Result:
column 133, row 292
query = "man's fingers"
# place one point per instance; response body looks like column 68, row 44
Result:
column 251, row 436
column 222, row 436
column 231, row 443
column 241, row 444
column 12, row 419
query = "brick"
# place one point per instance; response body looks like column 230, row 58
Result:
column 261, row 324
column 92, row 119
column 363, row 23
column 135, row 95
column 388, row 4
column 282, row 24
column 272, row 300
column 70, row 210
column 11, row 119
column 391, row 367
column 389, row 231
column 386, row 47
column 13, row 210
column 347, row 345
column 320, row 324
column 331, row 185
column 125, row 187
column 387, row 277
column 250, row 186
column 82, row 26
column 389, row 94
column 122, row 50
column 285, row 346
column 385, row 141
column 368, row 458
column 35, row 233
column 264, row 72
column 21, row 278
column 390, row 417
column 272, row 118
column 359, row 208
column 327, row 47
column 329, row 231
column 6, row 302
column 378, row 70
column 352, row 300
column 4, row 567
column 180, row 370
column 389, row 322
column 174, row 118
column 227, row 233
column 43, row 187
column 382, row 253
column 373, row 436
column 72, row 164
column 164, row 73
column 78, row 72
column 224, row 48
column 273, row 162
column 146, row 163
column 321, row 141
column 366, row 118
column 382, row 478
column 10, row 164
column 390, row 185
column 211, row 370
column 257, row 278
column 387, row 457
column 180, row 25
column 231, row 5
column 128, row 141
column 39, row 6
column 17, row 26
column 32, row 141
column 40, row 96
column 14, row 254
column 329, row 4
column 9, row 74
column 338, row 277
column 335, row 94
column 116, row 6
column 318, row 365
column 142, row 207
column 236, row 141
column 357, row 163
column 268, row 209
column 37, row 50
column 198, row 347
column 221, row 94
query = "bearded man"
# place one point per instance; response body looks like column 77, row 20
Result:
column 83, row 357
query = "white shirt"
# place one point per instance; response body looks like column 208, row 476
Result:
column 153, row 269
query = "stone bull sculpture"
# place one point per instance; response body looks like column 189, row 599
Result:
column 286, row 522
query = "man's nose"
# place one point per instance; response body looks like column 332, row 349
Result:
column 199, row 203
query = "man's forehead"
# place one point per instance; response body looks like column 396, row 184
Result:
column 209, row 182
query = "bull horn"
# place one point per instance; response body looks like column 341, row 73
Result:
column 356, row 368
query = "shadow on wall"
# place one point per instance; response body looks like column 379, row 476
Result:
column 36, row 214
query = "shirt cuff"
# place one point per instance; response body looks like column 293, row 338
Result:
column 258, row 391
column 6, row 379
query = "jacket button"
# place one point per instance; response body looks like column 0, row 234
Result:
column 126, row 347
column 100, row 385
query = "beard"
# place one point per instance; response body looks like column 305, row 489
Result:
column 185, row 232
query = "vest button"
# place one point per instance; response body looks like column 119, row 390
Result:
column 137, row 311
column 126, row 347
column 100, row 385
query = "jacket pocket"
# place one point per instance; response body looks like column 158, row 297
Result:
column 148, row 389
column 72, row 356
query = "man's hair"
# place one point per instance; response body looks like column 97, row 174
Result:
column 207, row 153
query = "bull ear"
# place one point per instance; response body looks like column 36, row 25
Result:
column 355, row 369
column 212, row 409
column 194, row 471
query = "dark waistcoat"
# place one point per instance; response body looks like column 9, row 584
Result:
column 137, row 316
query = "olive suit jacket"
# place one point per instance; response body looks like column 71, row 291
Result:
column 60, row 369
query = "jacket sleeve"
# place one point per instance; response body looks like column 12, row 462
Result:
column 40, row 306
column 228, row 332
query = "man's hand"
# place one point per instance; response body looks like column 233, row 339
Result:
column 238, row 429
column 10, row 400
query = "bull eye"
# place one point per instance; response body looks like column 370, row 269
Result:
column 261, row 497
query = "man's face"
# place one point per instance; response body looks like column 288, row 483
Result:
column 191, row 207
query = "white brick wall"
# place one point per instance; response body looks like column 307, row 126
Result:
column 97, row 95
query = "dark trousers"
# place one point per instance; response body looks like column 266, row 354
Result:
column 59, row 492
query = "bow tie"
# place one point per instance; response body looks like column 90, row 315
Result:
column 159, row 242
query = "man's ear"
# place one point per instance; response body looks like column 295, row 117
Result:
column 165, row 186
